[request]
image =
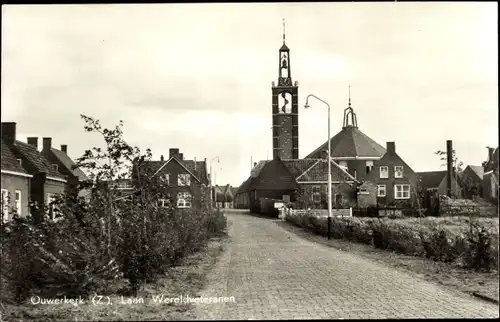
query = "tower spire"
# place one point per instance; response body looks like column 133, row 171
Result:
column 283, row 31
column 350, row 112
column 349, row 95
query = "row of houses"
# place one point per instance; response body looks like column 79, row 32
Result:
column 30, row 177
column 364, row 174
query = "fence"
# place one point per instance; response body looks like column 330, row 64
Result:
column 320, row 212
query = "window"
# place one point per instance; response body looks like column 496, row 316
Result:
column 343, row 164
column 402, row 191
column 369, row 166
column 20, row 161
column 5, row 204
column 55, row 167
column 18, row 202
column 52, row 210
column 184, row 179
column 384, row 172
column 316, row 194
column 166, row 179
column 163, row 203
column 183, row 200
column 381, row 191
column 398, row 171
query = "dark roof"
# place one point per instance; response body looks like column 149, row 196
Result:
column 350, row 142
column 274, row 175
column 69, row 164
column 299, row 166
column 245, row 186
column 431, row 179
column 234, row 190
column 34, row 157
column 478, row 170
column 284, row 48
column 9, row 160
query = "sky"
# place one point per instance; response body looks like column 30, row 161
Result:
column 198, row 76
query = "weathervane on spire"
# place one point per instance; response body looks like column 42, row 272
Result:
column 349, row 95
column 283, row 30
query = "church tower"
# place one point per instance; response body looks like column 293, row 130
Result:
column 285, row 109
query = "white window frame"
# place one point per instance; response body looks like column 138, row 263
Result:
column 380, row 188
column 380, row 172
column 162, row 203
column 18, row 202
column 52, row 210
column 184, row 179
column 316, row 194
column 402, row 191
column 5, row 205
column 184, row 200
column 396, row 171
column 166, row 178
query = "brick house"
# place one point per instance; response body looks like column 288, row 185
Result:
column 15, row 185
column 62, row 162
column 224, row 196
column 472, row 177
column 187, row 179
column 489, row 183
column 303, row 182
column 46, row 182
column 395, row 181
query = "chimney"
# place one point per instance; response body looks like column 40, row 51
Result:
column 391, row 148
column 195, row 163
column 64, row 148
column 47, row 143
column 490, row 153
column 9, row 131
column 180, row 155
column 449, row 164
column 162, row 158
column 254, row 164
column 33, row 141
column 173, row 152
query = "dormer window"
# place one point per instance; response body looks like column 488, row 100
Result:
column 369, row 166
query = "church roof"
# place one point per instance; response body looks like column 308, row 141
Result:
column 284, row 48
column 349, row 143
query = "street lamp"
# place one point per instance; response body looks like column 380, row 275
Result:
column 211, row 187
column 306, row 105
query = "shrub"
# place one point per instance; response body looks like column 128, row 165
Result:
column 480, row 253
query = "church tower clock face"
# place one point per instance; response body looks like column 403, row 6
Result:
column 285, row 112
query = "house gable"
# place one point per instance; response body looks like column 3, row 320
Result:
column 174, row 159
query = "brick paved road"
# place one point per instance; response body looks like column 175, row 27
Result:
column 274, row 274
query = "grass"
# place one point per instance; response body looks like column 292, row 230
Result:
column 186, row 279
column 447, row 275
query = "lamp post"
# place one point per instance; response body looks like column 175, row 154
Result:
column 306, row 105
column 211, row 187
